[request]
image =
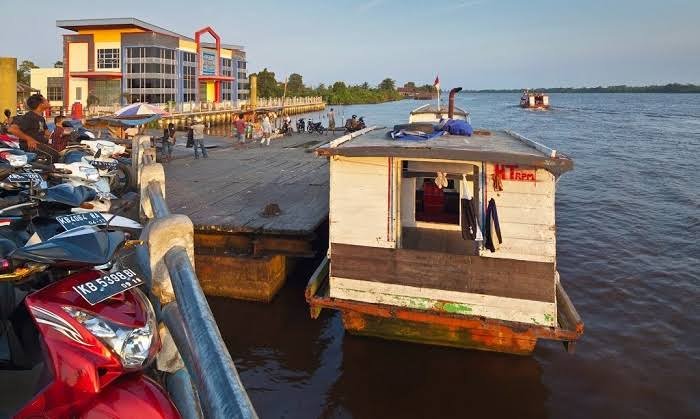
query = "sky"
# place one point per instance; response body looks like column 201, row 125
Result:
column 476, row 44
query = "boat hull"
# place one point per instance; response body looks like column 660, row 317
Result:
column 443, row 329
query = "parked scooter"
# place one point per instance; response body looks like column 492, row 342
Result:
column 316, row 127
column 301, row 125
column 76, row 340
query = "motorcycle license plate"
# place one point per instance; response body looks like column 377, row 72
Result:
column 108, row 285
column 26, row 177
column 69, row 222
column 104, row 165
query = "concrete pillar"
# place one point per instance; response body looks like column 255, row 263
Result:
column 253, row 81
column 8, row 84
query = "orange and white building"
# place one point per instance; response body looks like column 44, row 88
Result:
column 124, row 60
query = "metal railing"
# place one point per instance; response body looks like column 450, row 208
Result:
column 216, row 389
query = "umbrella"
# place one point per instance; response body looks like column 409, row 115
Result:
column 139, row 111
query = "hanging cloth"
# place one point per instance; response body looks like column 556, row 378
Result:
column 470, row 226
column 492, row 232
column 441, row 180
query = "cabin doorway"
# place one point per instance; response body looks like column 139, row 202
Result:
column 432, row 206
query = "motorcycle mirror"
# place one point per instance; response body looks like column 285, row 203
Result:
column 99, row 153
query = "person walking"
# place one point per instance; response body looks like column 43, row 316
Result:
column 267, row 130
column 331, row 121
column 198, row 137
column 240, row 127
column 168, row 141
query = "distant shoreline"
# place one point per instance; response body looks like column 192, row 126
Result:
column 668, row 88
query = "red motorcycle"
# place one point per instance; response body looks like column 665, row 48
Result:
column 81, row 338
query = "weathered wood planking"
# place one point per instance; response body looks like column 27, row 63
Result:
column 359, row 201
column 526, row 216
column 524, row 311
column 228, row 191
column 443, row 271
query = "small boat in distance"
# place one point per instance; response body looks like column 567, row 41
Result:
column 534, row 100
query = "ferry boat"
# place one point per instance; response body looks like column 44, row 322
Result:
column 447, row 241
column 534, row 100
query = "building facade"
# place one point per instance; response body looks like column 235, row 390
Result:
column 125, row 60
column 49, row 82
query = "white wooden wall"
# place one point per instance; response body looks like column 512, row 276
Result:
column 359, row 201
column 526, row 215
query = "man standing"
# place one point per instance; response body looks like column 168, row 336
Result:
column 31, row 127
column 240, row 128
column 267, row 130
column 198, row 137
column 331, row 120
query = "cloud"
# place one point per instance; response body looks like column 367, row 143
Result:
column 371, row 4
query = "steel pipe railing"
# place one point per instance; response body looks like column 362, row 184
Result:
column 218, row 390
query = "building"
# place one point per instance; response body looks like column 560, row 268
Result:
column 49, row 82
column 124, row 60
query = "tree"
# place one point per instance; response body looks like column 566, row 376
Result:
column 58, row 64
column 23, row 71
column 365, row 86
column 387, row 84
column 410, row 85
column 267, row 85
column 295, row 85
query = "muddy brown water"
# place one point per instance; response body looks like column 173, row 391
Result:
column 628, row 220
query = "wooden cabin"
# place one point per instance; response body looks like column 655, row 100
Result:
column 432, row 113
column 400, row 265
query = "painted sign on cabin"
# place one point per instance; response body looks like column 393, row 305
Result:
column 513, row 172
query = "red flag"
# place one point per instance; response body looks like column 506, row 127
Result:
column 437, row 82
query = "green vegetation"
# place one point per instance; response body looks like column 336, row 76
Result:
column 338, row 93
column 667, row 88
column 23, row 71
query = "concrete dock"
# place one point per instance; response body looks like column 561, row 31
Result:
column 255, row 208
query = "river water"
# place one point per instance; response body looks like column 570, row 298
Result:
column 628, row 220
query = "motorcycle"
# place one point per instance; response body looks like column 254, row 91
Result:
column 301, row 125
column 352, row 125
column 312, row 127
column 42, row 213
column 104, row 155
column 80, row 339
column 286, row 129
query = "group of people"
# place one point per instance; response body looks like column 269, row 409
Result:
column 195, row 139
column 32, row 130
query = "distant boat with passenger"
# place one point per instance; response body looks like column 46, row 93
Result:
column 534, row 100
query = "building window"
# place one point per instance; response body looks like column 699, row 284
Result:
column 108, row 58
column 54, row 94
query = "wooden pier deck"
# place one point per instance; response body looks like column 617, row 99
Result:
column 229, row 198
column 229, row 191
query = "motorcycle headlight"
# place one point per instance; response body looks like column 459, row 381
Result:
column 135, row 347
column 16, row 160
column 92, row 174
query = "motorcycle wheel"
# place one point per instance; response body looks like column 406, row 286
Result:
column 124, row 180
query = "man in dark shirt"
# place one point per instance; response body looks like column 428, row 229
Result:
column 31, row 127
